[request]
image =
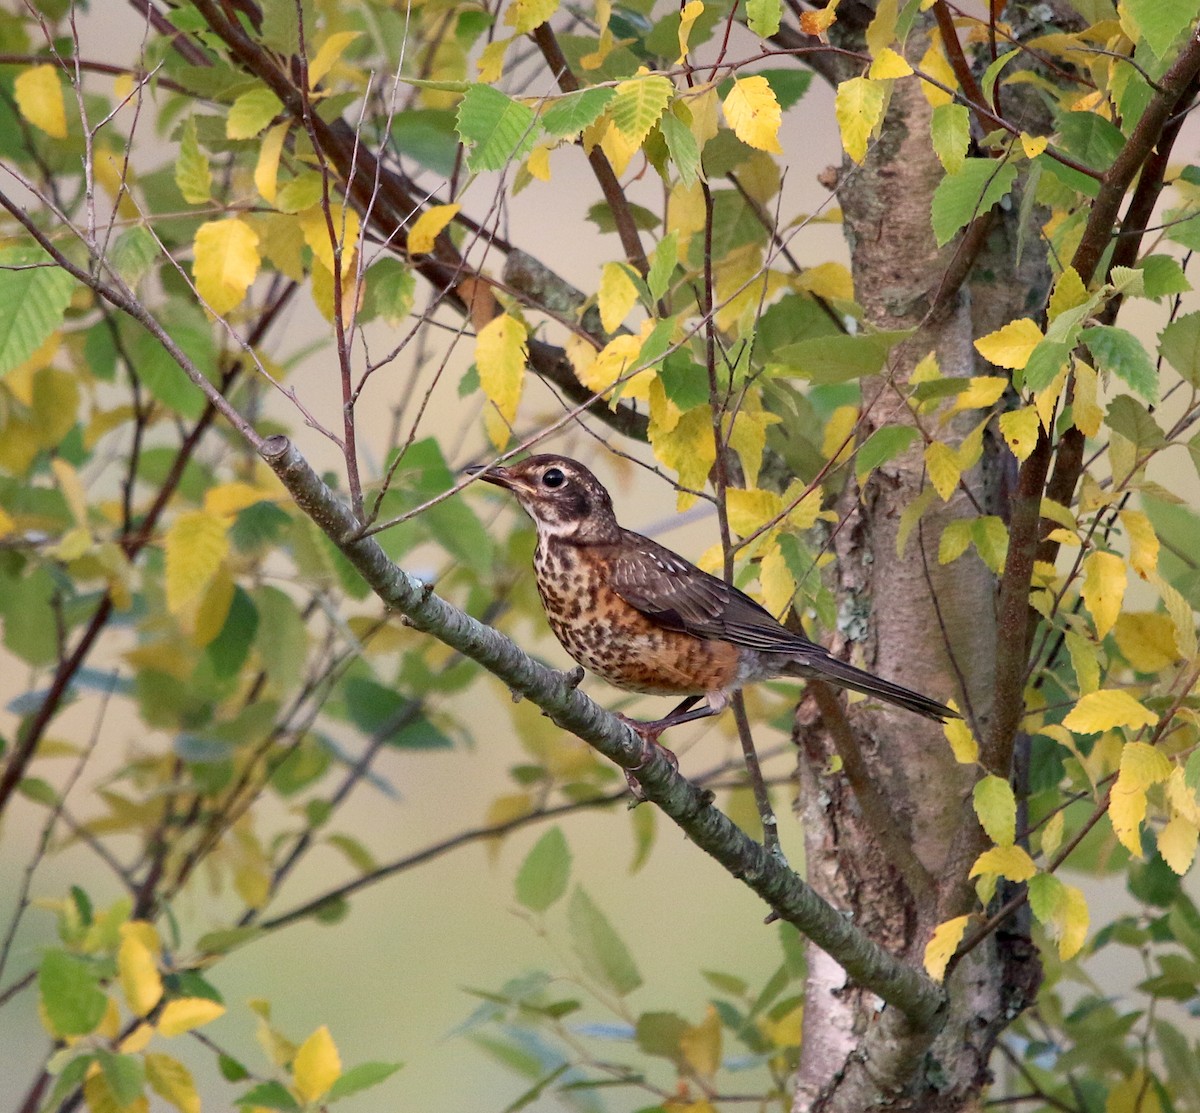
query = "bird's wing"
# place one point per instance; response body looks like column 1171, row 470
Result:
column 679, row 596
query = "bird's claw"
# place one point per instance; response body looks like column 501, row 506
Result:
column 649, row 734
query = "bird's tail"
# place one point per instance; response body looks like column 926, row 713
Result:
column 823, row 666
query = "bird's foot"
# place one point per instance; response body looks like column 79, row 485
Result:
column 649, row 734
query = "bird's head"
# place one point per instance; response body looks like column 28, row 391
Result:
column 562, row 497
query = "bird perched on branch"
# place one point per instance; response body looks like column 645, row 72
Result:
column 646, row 620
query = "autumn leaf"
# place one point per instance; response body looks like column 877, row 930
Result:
column 39, row 97
column 754, row 113
column 226, row 262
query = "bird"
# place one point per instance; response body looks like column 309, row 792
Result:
column 646, row 620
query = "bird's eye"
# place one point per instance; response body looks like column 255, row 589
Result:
column 553, row 478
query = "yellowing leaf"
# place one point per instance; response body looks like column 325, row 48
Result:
column 616, row 359
column 317, row 1065
column 1033, row 145
column 748, row 510
column 996, row 807
column 1012, row 862
column 229, row 498
column 1012, row 345
column 328, row 55
column 185, row 1013
column 1069, row 292
column 944, row 469
column 688, row 448
column 500, row 353
column 490, row 63
column 1085, row 409
column 172, row 1081
column 1143, row 542
column 837, row 442
column 1134, row 1093
column 1177, row 844
column 828, row 280
column 934, row 64
column 138, row 973
column 982, row 392
column 616, row 297
column 1073, row 922
column 226, row 262
column 1103, row 589
column 1107, row 709
column 196, row 545
column 1182, row 617
column 746, row 433
column 1020, row 431
column 266, row 169
column 701, row 1045
column 428, row 226
column 639, row 105
column 887, row 63
column 1142, row 765
column 689, row 13
column 1146, row 640
column 344, row 223
column 524, row 15
column 776, row 580
column 538, row 164
column 942, row 945
column 962, row 741
column 1052, row 834
column 859, row 109
column 754, row 113
column 39, row 98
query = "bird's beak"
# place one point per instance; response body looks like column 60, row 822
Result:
column 498, row 475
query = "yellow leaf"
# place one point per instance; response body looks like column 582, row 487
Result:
column 776, row 580
column 1143, row 542
column 185, row 1013
column 1052, row 834
column 942, row 945
column 982, row 392
column 688, row 448
column 344, row 223
column 754, row 113
column 1177, row 844
column 172, row 1081
column 208, row 619
column 524, row 15
column 137, row 1040
column 1012, row 345
column 748, row 510
column 962, row 741
column 832, row 281
column 1069, row 293
column 229, row 498
column 1142, row 765
column 887, row 64
column 328, row 56
column 1136, row 1093
column 424, row 233
column 1107, row 709
column 944, row 468
column 1072, row 921
column 266, row 169
column 1182, row 799
column 701, row 1045
column 1012, row 862
column 1033, row 145
column 1020, row 431
column 746, row 433
column 1046, row 401
column 934, row 64
column 859, row 109
column 1182, row 617
column 138, row 973
column 226, row 262
column 616, row 297
column 72, row 489
column 1146, row 640
column 40, row 99
column 500, row 352
column 196, row 545
column 1103, row 589
column 690, row 12
column 1085, row 410
column 617, row 359
column 538, row 164
column 837, row 442
column 317, row 1065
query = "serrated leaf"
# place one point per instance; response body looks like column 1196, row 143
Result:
column 500, row 354
column 950, row 130
column 942, row 945
column 1119, row 351
column 497, row 129
column 526, row 15
column 962, row 742
column 996, row 807
column 193, row 175
column 1012, row 345
column 1179, row 344
column 616, row 296
column 1159, row 22
column 1103, row 589
column 568, row 115
column 1108, row 709
column 317, row 1065
column 197, row 543
column 1146, row 640
column 604, row 956
column 638, row 105
column 251, row 112
column 1046, row 897
column 881, row 446
column 960, row 198
column 1012, row 862
column 1177, row 843
column 762, row 17
column 1020, row 430
column 39, row 96
column 226, row 262
column 754, row 113
column 542, row 878
column 944, row 468
column 858, row 107
column 35, row 295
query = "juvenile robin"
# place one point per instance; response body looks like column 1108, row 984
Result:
column 646, row 620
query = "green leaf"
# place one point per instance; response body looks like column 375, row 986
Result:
column 156, row 368
column 960, row 198
column 71, row 994
column 950, row 130
column 1044, row 364
column 996, row 807
column 1162, row 276
column 1046, row 894
column 569, row 115
column 282, row 640
column 251, row 112
column 124, row 1075
column 1179, row 345
column 662, row 265
column 133, row 255
column 375, row 708
column 881, row 446
column 359, row 1078
column 497, row 129
column 270, row 1095
column 193, row 175
column 762, row 17
column 35, row 294
column 837, row 359
column 1120, row 352
column 1127, row 416
column 682, row 147
column 604, row 956
column 788, row 85
column 543, row 876
column 659, row 1033
column 390, row 289
column 1160, row 22
column 639, row 104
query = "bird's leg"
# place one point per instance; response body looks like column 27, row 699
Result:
column 649, row 733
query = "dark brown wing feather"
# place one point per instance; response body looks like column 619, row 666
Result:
column 679, row 596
